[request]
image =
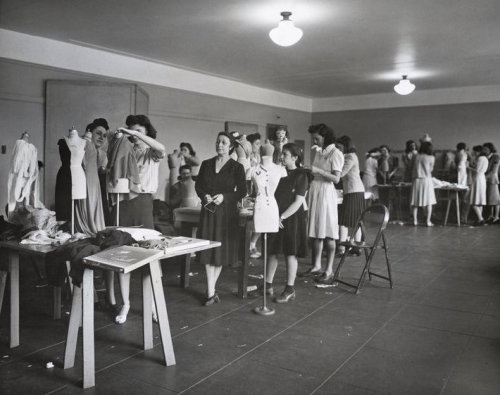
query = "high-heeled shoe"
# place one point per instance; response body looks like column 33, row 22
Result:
column 285, row 296
column 212, row 300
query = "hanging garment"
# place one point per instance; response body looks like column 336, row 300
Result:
column 22, row 184
column 89, row 215
column 76, row 146
column 63, row 183
column 122, row 162
column 266, row 212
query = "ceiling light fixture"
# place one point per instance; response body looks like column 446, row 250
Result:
column 404, row 86
column 286, row 34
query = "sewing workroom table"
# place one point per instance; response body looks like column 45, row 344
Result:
column 82, row 308
column 13, row 250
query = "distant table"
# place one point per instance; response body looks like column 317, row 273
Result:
column 452, row 195
column 13, row 249
column 82, row 308
column 191, row 216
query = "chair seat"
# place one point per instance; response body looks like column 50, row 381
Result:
column 355, row 244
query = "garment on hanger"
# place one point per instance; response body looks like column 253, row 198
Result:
column 76, row 146
column 89, row 215
column 122, row 162
column 266, row 213
column 22, row 184
column 63, row 183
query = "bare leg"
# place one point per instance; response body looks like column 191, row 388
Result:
column 124, row 280
column 330, row 255
column 291, row 269
column 415, row 215
column 478, row 210
column 110, row 287
column 213, row 273
column 357, row 236
column 317, row 250
column 429, row 214
column 272, row 264
column 344, row 233
column 496, row 212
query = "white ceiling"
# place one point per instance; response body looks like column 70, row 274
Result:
column 350, row 47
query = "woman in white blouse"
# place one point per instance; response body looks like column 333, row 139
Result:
column 477, row 196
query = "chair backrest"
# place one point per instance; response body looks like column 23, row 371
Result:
column 372, row 221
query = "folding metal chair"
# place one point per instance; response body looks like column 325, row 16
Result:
column 372, row 222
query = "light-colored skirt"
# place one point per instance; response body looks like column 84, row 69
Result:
column 477, row 195
column 422, row 192
column 323, row 215
column 462, row 176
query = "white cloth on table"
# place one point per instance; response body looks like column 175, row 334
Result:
column 76, row 146
column 266, row 211
column 22, row 184
column 141, row 233
column 477, row 195
column 323, row 214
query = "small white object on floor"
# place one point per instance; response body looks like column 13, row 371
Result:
column 185, row 327
column 251, row 288
column 257, row 276
column 49, row 365
column 324, row 285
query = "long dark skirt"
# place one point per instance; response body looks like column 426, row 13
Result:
column 222, row 225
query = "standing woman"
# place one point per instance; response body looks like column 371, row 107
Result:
column 461, row 163
column 354, row 192
column 291, row 240
column 492, row 192
column 370, row 173
column 409, row 154
column 422, row 191
column 220, row 184
column 477, row 196
column 138, row 210
column 323, row 218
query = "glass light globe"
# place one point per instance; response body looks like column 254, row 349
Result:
column 286, row 34
column 404, row 87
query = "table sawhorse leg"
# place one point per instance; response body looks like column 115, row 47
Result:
column 14, row 298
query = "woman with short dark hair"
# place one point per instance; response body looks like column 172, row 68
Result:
column 492, row 192
column 409, row 154
column 323, row 226
column 422, row 191
column 220, row 185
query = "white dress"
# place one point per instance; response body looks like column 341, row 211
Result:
column 370, row 176
column 266, row 212
column 462, row 168
column 422, row 191
column 22, row 184
column 76, row 146
column 323, row 214
column 477, row 195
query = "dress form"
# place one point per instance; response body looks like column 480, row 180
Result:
column 78, row 180
column 265, row 179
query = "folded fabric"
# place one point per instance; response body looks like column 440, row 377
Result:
column 141, row 233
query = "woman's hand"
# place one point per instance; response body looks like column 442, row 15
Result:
column 218, row 199
column 281, row 223
column 208, row 199
column 317, row 171
column 128, row 131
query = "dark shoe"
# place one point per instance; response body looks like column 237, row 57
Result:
column 354, row 252
column 285, row 296
column 309, row 273
column 211, row 300
column 42, row 282
column 339, row 252
column 495, row 221
column 258, row 292
column 479, row 223
column 325, row 278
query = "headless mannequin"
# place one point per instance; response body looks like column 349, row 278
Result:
column 78, row 180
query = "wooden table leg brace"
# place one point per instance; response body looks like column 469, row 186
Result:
column 82, row 309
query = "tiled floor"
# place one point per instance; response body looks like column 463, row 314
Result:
column 436, row 332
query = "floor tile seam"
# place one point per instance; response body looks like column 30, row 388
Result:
column 262, row 344
column 375, row 334
column 139, row 379
column 437, row 329
column 454, row 365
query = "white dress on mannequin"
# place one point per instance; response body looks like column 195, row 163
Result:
column 76, row 146
column 265, row 179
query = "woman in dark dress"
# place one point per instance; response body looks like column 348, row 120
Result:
column 220, row 184
column 291, row 240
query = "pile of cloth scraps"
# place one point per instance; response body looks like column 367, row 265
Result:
column 54, row 239
column 9, row 231
column 34, row 218
column 142, row 233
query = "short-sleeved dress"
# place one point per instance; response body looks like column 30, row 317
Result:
column 422, row 192
column 477, row 196
column 292, row 239
column 461, row 161
column 492, row 192
column 323, row 214
column 370, row 176
column 221, row 225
